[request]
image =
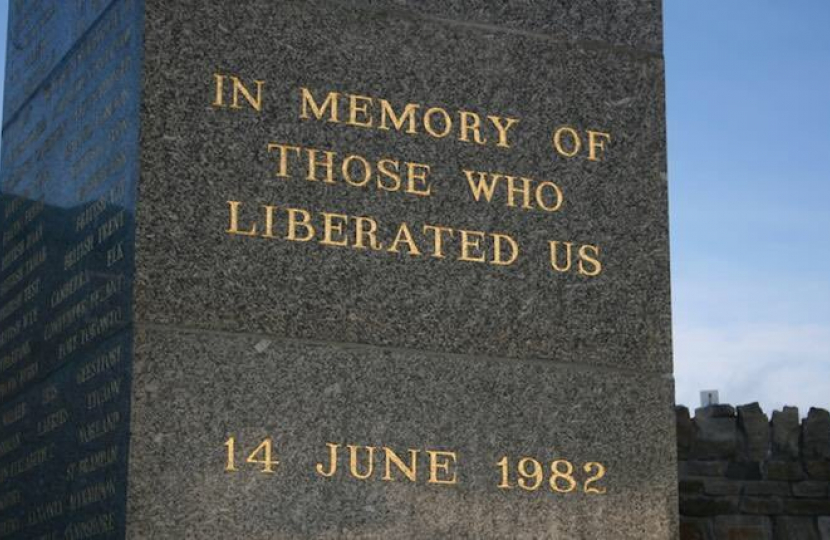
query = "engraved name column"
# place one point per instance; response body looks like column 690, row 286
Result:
column 68, row 179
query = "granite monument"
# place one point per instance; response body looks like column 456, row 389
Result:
column 335, row 269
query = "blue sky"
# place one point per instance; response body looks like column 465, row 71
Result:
column 748, row 118
column 748, row 84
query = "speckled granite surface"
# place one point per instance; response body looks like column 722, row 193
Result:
column 250, row 337
column 198, row 343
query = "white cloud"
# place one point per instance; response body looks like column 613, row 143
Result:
column 774, row 364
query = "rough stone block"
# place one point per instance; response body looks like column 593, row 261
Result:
column 818, row 469
column 686, row 432
column 795, row 528
column 704, row 506
column 765, row 506
column 744, row 470
column 811, row 489
column 719, row 486
column 703, row 468
column 717, row 433
column 816, row 428
column 721, row 410
column 691, row 487
column 753, row 425
column 824, row 528
column 786, row 433
column 695, row 529
column 743, row 528
column 807, row 507
column 779, row 489
column 787, row 471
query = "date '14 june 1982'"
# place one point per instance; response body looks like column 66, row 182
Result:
column 437, row 467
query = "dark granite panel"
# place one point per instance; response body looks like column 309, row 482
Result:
column 63, row 449
column 192, row 391
column 67, row 207
column 631, row 23
column 67, row 188
column 197, row 157
column 41, row 33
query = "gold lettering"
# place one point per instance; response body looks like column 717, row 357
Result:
column 355, row 170
column 392, row 174
column 364, row 233
column 437, row 122
column 524, row 191
column 597, row 140
column 366, row 228
column 438, row 239
column 386, row 111
column 592, row 259
column 540, row 198
column 554, row 257
column 409, row 471
column 468, row 244
column 405, row 235
column 103, row 363
column 98, row 428
column 313, row 163
column 111, row 226
column 104, row 524
column 92, row 463
column 346, row 169
column 104, row 394
column 359, row 105
column 485, row 185
column 32, row 461
column 498, row 258
column 369, row 462
column 471, row 123
column 293, row 223
column 77, row 253
column 576, row 141
column 332, row 469
column 418, row 184
column 269, row 221
column 233, row 228
column 446, row 120
column 330, row 103
column 15, row 414
column 52, row 422
column 503, row 127
column 330, row 228
column 115, row 254
column 92, row 494
column 282, row 171
column 440, row 464
column 219, row 101
column 9, row 445
column 238, row 89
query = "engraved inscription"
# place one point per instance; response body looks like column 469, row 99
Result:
column 391, row 174
column 426, row 466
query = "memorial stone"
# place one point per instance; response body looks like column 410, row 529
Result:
column 335, row 269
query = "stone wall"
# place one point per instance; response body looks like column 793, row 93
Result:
column 746, row 476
